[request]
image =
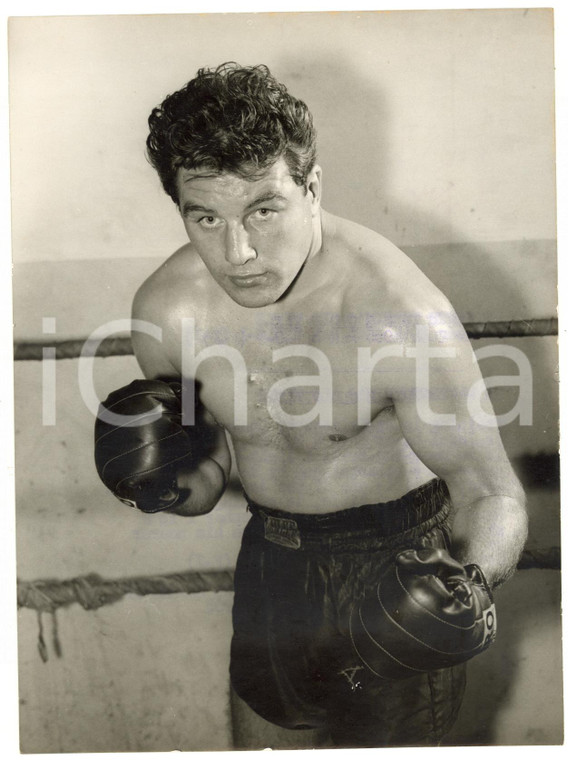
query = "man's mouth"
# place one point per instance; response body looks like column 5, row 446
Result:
column 249, row 280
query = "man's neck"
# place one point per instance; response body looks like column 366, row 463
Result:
column 317, row 236
column 312, row 273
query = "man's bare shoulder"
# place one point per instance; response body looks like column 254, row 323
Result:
column 178, row 285
column 383, row 280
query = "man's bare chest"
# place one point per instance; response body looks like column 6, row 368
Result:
column 288, row 382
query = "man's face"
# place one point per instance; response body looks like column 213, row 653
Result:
column 252, row 235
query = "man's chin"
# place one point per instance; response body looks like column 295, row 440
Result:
column 254, row 297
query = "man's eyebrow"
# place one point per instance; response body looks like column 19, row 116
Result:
column 188, row 207
column 205, row 175
column 266, row 198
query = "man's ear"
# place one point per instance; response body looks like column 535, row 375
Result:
column 313, row 187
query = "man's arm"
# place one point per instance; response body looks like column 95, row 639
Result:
column 490, row 523
column 205, row 481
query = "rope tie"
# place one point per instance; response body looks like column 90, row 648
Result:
column 41, row 645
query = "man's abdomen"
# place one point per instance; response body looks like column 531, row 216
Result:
column 331, row 476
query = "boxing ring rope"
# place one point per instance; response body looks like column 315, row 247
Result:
column 122, row 346
column 92, row 591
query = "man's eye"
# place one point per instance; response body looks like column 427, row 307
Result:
column 208, row 221
column 264, row 213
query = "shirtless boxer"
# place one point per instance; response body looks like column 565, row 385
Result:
column 333, row 495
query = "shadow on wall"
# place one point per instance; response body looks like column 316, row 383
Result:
column 353, row 120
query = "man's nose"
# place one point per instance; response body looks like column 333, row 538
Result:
column 238, row 249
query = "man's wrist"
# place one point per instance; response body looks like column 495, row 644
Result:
column 202, row 488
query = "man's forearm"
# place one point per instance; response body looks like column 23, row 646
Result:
column 491, row 532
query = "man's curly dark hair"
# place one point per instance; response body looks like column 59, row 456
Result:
column 231, row 118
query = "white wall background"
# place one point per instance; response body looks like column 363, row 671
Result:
column 436, row 129
column 434, row 126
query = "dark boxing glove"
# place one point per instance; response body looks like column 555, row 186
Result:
column 138, row 453
column 428, row 612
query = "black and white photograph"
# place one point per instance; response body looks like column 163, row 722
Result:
column 286, row 380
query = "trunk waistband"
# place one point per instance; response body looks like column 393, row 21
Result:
column 383, row 519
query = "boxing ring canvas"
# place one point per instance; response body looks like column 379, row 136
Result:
column 436, row 129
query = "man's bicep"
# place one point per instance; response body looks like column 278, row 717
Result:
column 147, row 339
column 441, row 425
column 152, row 358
